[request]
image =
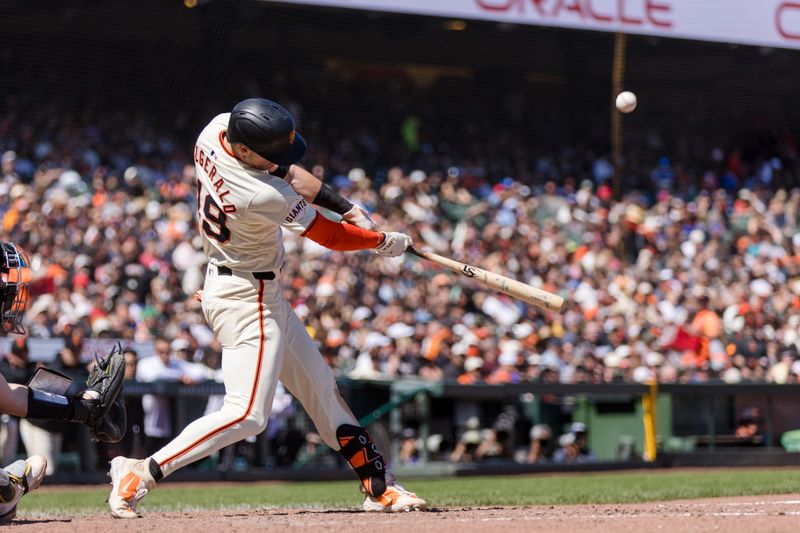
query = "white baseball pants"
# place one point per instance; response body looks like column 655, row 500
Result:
column 262, row 340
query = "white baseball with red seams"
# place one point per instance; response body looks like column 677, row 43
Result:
column 626, row 102
column 241, row 216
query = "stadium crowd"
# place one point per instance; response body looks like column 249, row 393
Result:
column 691, row 275
column 668, row 283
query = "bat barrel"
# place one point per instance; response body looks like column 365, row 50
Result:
column 517, row 289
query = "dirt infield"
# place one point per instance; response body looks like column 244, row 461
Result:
column 746, row 514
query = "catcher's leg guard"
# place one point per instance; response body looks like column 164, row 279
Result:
column 357, row 448
column 7, row 488
column 17, row 479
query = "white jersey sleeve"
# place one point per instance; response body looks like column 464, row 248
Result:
column 278, row 203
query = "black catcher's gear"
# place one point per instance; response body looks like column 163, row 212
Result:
column 105, row 412
column 13, row 289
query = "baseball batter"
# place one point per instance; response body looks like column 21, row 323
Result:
column 248, row 192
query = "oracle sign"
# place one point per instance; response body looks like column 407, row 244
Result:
column 615, row 13
column 757, row 22
column 787, row 20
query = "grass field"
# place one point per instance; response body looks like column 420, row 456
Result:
column 463, row 492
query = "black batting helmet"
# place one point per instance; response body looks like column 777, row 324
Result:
column 13, row 288
column 266, row 128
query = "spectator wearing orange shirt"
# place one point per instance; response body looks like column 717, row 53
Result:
column 507, row 371
column 472, row 371
column 706, row 324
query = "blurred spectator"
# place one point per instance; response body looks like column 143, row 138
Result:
column 131, row 359
column 312, row 452
column 581, row 433
column 157, row 409
column 409, row 452
column 431, row 371
column 499, row 441
column 750, row 427
column 569, row 450
column 472, row 371
column 507, row 370
column 192, row 372
column 542, row 444
column 8, row 177
column 69, row 358
column 437, row 446
column 69, row 361
column 16, row 366
column 467, row 446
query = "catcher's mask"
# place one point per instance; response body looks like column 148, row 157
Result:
column 13, row 289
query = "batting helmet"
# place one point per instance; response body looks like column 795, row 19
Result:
column 13, row 289
column 266, row 128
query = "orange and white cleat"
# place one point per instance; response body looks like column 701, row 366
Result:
column 394, row 499
column 130, row 481
column 16, row 480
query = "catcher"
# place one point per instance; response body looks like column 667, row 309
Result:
column 98, row 406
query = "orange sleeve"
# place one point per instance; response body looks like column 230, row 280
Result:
column 341, row 237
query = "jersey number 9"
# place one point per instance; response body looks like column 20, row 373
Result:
column 212, row 219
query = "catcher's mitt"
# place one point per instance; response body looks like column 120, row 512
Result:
column 106, row 418
column 112, row 427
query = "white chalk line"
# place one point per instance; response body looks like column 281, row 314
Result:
column 649, row 514
column 706, row 504
column 617, row 516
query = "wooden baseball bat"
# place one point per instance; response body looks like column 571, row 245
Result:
column 517, row 289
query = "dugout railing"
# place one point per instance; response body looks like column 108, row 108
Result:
column 698, row 418
column 703, row 415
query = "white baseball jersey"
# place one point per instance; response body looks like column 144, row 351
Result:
column 241, row 210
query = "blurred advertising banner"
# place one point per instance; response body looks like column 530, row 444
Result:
column 46, row 350
column 101, row 347
column 773, row 23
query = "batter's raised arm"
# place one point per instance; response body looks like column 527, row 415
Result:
column 315, row 191
column 280, row 204
column 345, row 237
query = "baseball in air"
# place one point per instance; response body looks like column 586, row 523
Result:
column 626, row 102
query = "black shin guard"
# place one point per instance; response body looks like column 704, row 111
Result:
column 155, row 470
column 359, row 451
